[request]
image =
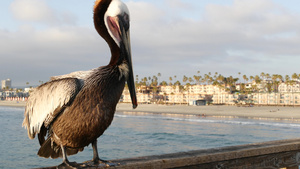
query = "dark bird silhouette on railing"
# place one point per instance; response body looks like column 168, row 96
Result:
column 71, row 111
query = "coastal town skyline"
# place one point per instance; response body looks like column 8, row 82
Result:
column 44, row 38
column 194, row 79
column 197, row 78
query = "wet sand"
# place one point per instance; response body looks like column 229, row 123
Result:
column 256, row 112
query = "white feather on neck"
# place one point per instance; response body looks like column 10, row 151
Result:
column 124, row 70
column 115, row 8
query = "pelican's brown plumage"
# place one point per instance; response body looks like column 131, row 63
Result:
column 73, row 110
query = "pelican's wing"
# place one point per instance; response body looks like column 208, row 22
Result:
column 47, row 101
column 79, row 75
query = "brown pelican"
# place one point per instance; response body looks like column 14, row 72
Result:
column 71, row 111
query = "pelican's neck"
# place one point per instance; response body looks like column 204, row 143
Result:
column 115, row 59
column 100, row 8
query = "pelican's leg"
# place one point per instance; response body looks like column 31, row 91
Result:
column 96, row 161
column 96, row 158
column 66, row 163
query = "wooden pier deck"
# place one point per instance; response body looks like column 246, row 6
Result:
column 273, row 154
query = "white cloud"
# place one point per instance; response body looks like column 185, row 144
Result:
column 179, row 4
column 31, row 10
column 256, row 30
column 245, row 36
column 39, row 11
column 44, row 53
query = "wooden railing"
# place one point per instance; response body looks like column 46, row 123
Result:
column 273, row 154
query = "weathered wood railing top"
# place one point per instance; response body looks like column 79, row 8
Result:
column 273, row 154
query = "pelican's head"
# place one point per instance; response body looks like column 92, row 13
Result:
column 116, row 20
column 112, row 19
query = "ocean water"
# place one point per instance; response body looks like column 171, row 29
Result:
column 141, row 134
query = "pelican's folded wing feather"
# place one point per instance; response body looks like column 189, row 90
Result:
column 79, row 75
column 47, row 101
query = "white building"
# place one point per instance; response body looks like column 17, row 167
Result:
column 284, row 87
column 224, row 98
column 276, row 98
column 6, row 84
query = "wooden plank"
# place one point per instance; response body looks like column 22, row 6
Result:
column 273, row 154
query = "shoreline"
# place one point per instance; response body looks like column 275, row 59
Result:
column 218, row 111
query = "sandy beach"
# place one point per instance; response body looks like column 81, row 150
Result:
column 13, row 103
column 262, row 112
column 256, row 112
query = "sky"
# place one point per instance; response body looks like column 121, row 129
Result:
column 44, row 38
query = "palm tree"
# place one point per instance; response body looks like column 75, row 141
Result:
column 257, row 80
column 262, row 75
column 187, row 88
column 287, row 78
column 251, row 78
column 276, row 80
column 216, row 75
column 184, row 79
column 245, row 78
column 177, row 83
column 206, row 78
column 136, row 79
column 295, row 76
column 231, row 82
column 170, row 78
column 197, row 79
column 191, row 80
column 159, row 75
column 144, row 81
column 164, row 83
column 268, row 76
column 154, row 81
column 269, row 87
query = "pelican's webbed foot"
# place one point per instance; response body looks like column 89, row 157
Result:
column 99, row 162
column 96, row 161
column 68, row 165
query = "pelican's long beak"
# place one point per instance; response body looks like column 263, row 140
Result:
column 126, row 50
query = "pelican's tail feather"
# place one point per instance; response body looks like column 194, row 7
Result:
column 52, row 150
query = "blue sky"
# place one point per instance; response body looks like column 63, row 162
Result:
column 43, row 38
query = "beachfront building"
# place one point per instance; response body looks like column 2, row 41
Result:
column 144, row 95
column 225, row 98
column 204, row 89
column 142, row 98
column 182, row 98
column 187, row 94
column 6, row 84
column 192, row 89
column 265, row 98
column 289, row 99
column 287, row 87
column 169, row 90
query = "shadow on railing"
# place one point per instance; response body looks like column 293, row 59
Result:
column 274, row 154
